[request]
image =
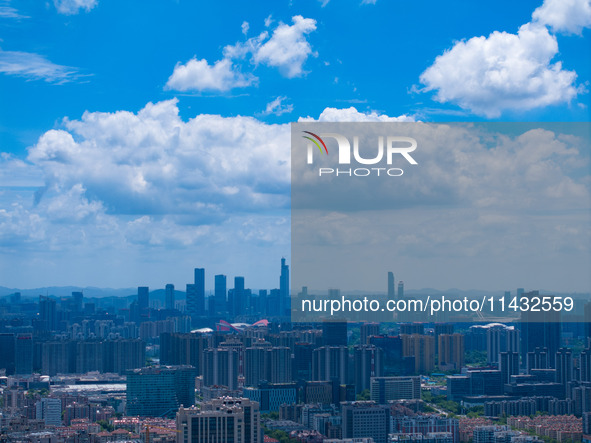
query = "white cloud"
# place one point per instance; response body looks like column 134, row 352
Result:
column 368, row 2
column 35, row 67
column 353, row 115
column 276, row 107
column 70, row 7
column 502, row 72
column 199, row 75
column 9, row 12
column 288, row 49
column 568, row 16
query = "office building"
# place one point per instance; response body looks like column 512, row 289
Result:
column 196, row 294
column 226, row 419
column 220, row 293
column 169, row 296
column 183, row 349
column 49, row 410
column 384, row 389
column 284, row 300
column 159, row 391
column 143, row 297
column 365, row 419
column 270, row 396
column 47, row 313
column 391, row 289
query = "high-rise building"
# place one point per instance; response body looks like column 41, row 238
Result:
column 400, row 290
column 169, row 298
column 422, row 347
column 7, row 350
column 302, row 361
column 369, row 362
column 197, row 301
column 271, row 364
column 49, row 410
column 391, row 289
column 220, row 293
column 384, row 389
column 220, row 367
column 367, row 330
column 508, row 365
column 334, row 332
column 284, row 300
column 237, row 302
column 143, row 297
column 537, row 359
column 585, row 364
column 365, row 419
column 183, row 349
column 451, row 351
column 540, row 329
column 23, row 352
column 48, row 313
column 78, row 299
column 159, row 391
column 226, row 419
column 500, row 338
column 564, row 366
column 331, row 363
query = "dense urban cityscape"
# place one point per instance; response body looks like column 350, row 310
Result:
column 228, row 365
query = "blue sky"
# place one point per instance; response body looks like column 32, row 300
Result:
column 140, row 139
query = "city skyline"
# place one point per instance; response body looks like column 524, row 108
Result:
column 124, row 158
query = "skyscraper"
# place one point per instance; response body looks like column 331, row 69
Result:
column 238, row 298
column 334, row 332
column 331, row 363
column 7, row 353
column 143, row 297
column 220, row 292
column 196, row 294
column 540, row 329
column 391, row 289
column 48, row 313
column 400, row 290
column 284, row 301
column 169, row 296
column 24, row 354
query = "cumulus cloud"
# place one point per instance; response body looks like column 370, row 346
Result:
column 35, row 67
column 502, row 72
column 568, row 16
column 276, row 107
column 353, row 115
column 70, row 7
column 199, row 75
column 286, row 49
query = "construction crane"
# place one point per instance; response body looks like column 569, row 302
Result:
column 158, row 427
